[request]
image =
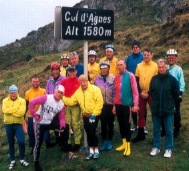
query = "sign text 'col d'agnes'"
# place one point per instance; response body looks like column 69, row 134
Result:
column 87, row 24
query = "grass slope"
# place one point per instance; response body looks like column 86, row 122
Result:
column 55, row 160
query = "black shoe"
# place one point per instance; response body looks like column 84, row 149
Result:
column 49, row 144
column 66, row 148
column 140, row 136
column 37, row 166
column 76, row 147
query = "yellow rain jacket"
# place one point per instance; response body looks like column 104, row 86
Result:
column 90, row 100
column 14, row 110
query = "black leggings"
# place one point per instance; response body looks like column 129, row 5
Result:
column 107, row 122
column 90, row 129
column 123, row 117
column 40, row 130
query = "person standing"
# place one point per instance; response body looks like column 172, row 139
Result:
column 74, row 61
column 144, row 73
column 126, row 96
column 177, row 72
column 50, row 115
column 14, row 108
column 90, row 100
column 73, row 113
column 105, row 82
column 64, row 64
column 93, row 67
column 164, row 90
column 132, row 61
column 110, row 58
column 54, row 80
column 33, row 92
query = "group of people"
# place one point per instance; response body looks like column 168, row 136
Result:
column 113, row 87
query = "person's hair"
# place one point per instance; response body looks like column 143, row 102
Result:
column 121, row 59
column 34, row 77
column 148, row 50
column 83, row 77
column 162, row 61
column 73, row 54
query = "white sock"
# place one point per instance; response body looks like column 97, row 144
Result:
column 91, row 151
column 96, row 150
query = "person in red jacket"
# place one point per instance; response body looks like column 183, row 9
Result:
column 73, row 113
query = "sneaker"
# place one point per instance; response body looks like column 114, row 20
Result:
column 96, row 156
column 24, row 163
column 145, row 130
column 134, row 128
column 167, row 153
column 12, row 165
column 89, row 157
column 154, row 151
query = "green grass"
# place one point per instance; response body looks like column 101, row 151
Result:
column 55, row 160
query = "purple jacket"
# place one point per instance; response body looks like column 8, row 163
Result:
column 107, row 88
column 51, row 84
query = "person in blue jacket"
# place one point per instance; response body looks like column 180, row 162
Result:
column 74, row 61
column 132, row 61
column 177, row 72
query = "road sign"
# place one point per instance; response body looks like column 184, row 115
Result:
column 87, row 24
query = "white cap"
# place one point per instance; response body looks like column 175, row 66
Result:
column 104, row 64
column 60, row 88
column 171, row 52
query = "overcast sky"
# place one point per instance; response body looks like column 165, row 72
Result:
column 19, row 17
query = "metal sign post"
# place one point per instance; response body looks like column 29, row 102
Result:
column 57, row 22
column 85, row 60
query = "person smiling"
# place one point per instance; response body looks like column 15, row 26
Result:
column 14, row 108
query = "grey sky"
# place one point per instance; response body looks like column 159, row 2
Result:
column 19, row 17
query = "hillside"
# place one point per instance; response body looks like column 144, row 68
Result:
column 132, row 20
column 135, row 20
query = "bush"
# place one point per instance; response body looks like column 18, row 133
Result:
column 28, row 57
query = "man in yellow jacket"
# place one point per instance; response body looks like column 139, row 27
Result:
column 93, row 66
column 14, row 108
column 90, row 99
column 110, row 58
